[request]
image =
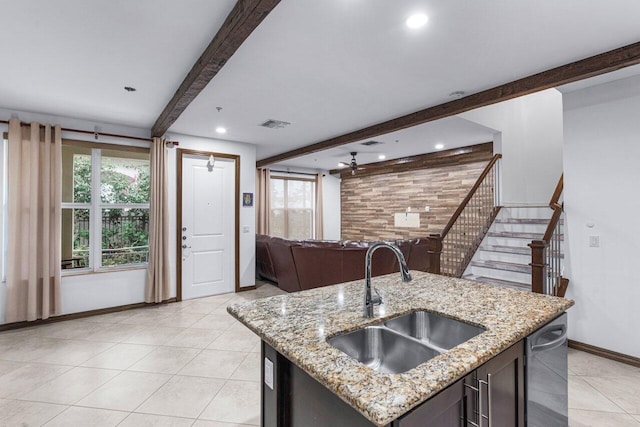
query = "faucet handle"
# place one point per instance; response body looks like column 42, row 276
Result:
column 376, row 300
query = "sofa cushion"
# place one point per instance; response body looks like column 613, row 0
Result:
column 264, row 263
column 283, row 264
column 318, row 264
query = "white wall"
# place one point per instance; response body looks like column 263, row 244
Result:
column 330, row 199
column 331, row 207
column 100, row 290
column 3, row 285
column 247, row 153
column 529, row 136
column 602, row 172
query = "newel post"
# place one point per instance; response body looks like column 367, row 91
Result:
column 434, row 251
column 538, row 265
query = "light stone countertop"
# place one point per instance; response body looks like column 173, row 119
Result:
column 297, row 325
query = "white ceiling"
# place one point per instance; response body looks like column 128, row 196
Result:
column 328, row 67
column 73, row 57
column 451, row 132
column 334, row 66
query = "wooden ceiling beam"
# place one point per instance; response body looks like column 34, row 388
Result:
column 589, row 67
column 245, row 17
column 460, row 155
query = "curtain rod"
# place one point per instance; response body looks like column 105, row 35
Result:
column 296, row 173
column 94, row 133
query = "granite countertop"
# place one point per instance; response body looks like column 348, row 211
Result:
column 298, row 324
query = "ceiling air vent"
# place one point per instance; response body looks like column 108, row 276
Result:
column 372, row 142
column 275, row 124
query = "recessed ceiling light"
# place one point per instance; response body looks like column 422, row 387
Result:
column 417, row 20
column 439, row 146
column 220, row 129
column 382, row 157
column 457, row 94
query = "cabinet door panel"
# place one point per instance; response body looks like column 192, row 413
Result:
column 445, row 409
column 502, row 386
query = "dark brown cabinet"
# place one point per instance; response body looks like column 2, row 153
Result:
column 446, row 409
column 490, row 396
column 497, row 387
column 501, row 383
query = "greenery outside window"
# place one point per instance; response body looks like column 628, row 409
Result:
column 105, row 209
column 292, row 208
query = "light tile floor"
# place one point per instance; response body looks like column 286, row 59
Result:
column 191, row 364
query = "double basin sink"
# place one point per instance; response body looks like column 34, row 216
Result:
column 400, row 344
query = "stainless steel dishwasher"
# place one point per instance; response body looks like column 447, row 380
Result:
column 546, row 378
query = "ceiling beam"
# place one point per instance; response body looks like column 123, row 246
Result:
column 245, row 17
column 595, row 65
column 462, row 155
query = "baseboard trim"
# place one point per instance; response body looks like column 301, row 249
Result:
column 603, row 352
column 80, row 315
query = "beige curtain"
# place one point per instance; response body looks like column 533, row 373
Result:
column 158, row 273
column 263, row 202
column 319, row 228
column 34, row 221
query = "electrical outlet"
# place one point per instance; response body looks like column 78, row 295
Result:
column 427, row 208
column 245, row 228
column 268, row 373
column 594, row 241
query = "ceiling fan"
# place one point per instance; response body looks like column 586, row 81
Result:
column 353, row 165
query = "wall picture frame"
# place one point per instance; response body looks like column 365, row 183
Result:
column 247, row 200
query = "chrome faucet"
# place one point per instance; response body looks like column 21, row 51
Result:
column 370, row 301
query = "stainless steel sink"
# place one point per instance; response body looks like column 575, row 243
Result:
column 383, row 349
column 405, row 342
column 439, row 332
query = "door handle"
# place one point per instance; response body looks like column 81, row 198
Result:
column 184, row 246
column 478, row 422
column 482, row 416
column 489, row 400
column 555, row 343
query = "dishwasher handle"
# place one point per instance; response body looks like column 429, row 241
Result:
column 562, row 329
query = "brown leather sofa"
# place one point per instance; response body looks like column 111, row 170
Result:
column 297, row 265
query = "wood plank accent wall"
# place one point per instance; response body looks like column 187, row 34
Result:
column 369, row 202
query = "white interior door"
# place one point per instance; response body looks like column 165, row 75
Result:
column 208, row 226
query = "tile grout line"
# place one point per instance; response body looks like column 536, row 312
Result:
column 604, row 395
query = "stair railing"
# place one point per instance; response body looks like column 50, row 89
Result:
column 546, row 254
column 451, row 250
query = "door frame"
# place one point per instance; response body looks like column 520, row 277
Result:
column 180, row 154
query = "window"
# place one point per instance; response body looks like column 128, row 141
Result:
column 292, row 208
column 105, row 209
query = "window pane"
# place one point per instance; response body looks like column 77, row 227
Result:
column 125, row 236
column 300, row 224
column 300, row 194
column 76, row 174
column 75, row 238
column 124, row 177
column 276, row 224
column 277, row 193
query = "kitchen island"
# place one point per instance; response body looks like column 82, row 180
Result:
column 311, row 379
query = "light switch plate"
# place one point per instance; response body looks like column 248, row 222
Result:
column 245, row 228
column 268, row 373
column 594, row 241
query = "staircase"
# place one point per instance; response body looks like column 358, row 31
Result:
column 504, row 256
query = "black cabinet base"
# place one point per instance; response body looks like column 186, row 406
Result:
column 298, row 400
